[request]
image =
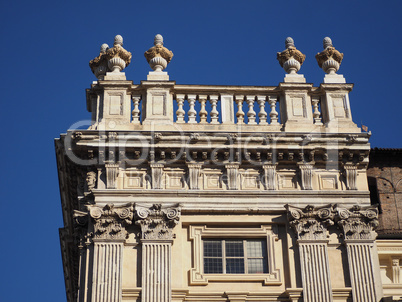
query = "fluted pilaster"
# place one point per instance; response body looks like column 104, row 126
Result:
column 310, row 225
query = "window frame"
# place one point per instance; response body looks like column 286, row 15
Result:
column 197, row 233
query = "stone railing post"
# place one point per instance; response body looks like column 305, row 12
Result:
column 157, row 225
column 310, row 225
column 358, row 227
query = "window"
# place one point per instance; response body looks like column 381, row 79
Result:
column 251, row 254
column 235, row 256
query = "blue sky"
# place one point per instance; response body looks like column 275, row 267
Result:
column 44, row 58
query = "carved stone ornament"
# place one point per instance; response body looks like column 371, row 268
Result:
column 158, row 56
column 110, row 221
column 306, row 172
column 232, row 171
column 358, row 223
column 269, row 176
column 113, row 59
column 99, row 64
column 90, row 181
column 329, row 59
column 350, row 172
column 290, row 59
column 311, row 223
column 157, row 222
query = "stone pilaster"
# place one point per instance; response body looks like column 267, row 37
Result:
column 310, row 225
column 157, row 225
column 358, row 227
column 101, row 263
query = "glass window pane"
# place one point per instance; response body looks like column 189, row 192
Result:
column 213, row 266
column 234, row 248
column 257, row 266
column 256, row 248
column 212, row 248
column 234, row 266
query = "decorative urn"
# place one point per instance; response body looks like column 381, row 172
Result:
column 158, row 56
column 329, row 59
column 290, row 59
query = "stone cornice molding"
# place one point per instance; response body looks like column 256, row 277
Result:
column 109, row 222
column 311, row 223
column 358, row 223
column 157, row 221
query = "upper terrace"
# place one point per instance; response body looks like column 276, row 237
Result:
column 159, row 104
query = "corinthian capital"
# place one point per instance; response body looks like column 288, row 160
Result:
column 156, row 221
column 358, row 223
column 311, row 223
column 110, row 221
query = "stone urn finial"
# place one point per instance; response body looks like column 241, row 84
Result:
column 113, row 59
column 99, row 64
column 329, row 59
column 158, row 56
column 118, row 57
column 290, row 59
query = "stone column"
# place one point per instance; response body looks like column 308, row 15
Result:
column 157, row 224
column 310, row 225
column 358, row 227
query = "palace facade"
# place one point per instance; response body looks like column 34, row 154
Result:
column 224, row 193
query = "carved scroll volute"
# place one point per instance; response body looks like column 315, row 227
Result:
column 157, row 222
column 358, row 223
column 110, row 221
column 310, row 223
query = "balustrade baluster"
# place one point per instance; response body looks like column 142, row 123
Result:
column 180, row 111
column 251, row 112
column 136, row 111
column 316, row 112
column 192, row 114
column 262, row 114
column 240, row 113
column 203, row 111
column 214, row 113
column 273, row 114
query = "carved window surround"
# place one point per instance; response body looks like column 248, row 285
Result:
column 268, row 232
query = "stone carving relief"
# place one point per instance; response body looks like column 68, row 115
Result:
column 157, row 222
column 232, row 171
column 269, row 176
column 157, row 175
column 110, row 221
column 90, row 181
column 350, row 176
column 194, row 171
column 112, row 171
column 358, row 223
column 306, row 172
column 311, row 223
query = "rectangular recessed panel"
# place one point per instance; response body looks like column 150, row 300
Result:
column 115, row 105
column 158, row 104
column 297, row 106
column 339, row 109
